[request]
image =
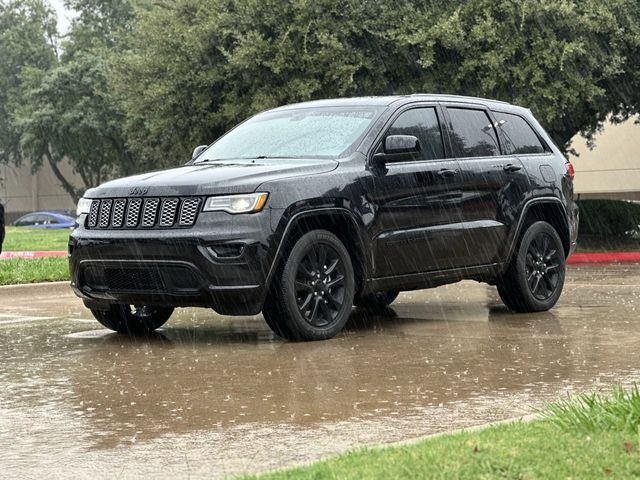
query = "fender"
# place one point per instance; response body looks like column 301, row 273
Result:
column 523, row 215
column 314, row 211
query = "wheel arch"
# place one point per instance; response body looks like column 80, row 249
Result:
column 548, row 209
column 339, row 221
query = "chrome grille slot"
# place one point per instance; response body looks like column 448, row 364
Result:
column 168, row 212
column 133, row 212
column 119, row 206
column 150, row 212
column 105, row 213
column 189, row 212
column 93, row 213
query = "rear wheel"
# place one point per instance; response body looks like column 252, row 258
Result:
column 132, row 319
column 311, row 297
column 535, row 278
column 377, row 300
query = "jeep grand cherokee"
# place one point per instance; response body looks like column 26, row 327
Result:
column 305, row 210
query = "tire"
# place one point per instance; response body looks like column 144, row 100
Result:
column 312, row 294
column 376, row 301
column 534, row 280
column 139, row 320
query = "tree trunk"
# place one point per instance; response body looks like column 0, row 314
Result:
column 68, row 187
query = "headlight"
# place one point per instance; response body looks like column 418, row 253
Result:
column 84, row 205
column 253, row 202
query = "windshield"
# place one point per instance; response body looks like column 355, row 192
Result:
column 326, row 132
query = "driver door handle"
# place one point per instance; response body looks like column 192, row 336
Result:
column 511, row 168
column 446, row 172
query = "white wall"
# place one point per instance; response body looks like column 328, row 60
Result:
column 22, row 192
column 612, row 168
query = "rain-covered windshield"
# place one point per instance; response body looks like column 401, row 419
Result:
column 326, row 132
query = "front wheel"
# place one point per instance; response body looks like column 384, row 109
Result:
column 311, row 297
column 535, row 278
column 132, row 319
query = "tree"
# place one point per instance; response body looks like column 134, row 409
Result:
column 63, row 110
column 27, row 39
column 193, row 68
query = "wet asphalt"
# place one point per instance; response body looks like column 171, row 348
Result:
column 212, row 396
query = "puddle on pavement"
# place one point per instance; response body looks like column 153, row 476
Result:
column 216, row 395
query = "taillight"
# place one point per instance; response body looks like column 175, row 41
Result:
column 570, row 171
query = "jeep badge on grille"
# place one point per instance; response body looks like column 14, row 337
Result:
column 138, row 191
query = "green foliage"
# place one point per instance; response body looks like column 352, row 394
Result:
column 593, row 412
column 196, row 67
column 63, row 109
column 27, row 33
column 140, row 83
column 608, row 218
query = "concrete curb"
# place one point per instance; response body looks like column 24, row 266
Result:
column 35, row 285
column 604, row 257
column 39, row 254
column 475, row 428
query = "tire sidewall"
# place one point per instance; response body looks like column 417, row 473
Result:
column 295, row 322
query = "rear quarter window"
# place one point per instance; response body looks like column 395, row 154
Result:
column 518, row 136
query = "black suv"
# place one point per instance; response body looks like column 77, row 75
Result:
column 303, row 211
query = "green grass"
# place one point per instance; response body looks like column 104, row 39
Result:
column 20, row 239
column 590, row 413
column 22, row 270
column 589, row 436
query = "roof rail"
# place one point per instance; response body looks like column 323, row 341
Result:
column 461, row 97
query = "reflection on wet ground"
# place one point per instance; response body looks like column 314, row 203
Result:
column 210, row 396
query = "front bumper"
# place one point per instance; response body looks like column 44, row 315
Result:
column 222, row 262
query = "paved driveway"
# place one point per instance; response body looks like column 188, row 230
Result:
column 211, row 395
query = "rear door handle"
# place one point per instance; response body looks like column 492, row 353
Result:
column 511, row 168
column 446, row 172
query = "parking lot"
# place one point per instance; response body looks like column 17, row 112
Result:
column 210, row 396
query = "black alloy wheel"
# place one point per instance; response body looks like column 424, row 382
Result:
column 311, row 298
column 319, row 285
column 542, row 266
column 534, row 279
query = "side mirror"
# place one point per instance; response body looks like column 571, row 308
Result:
column 395, row 144
column 198, row 150
column 397, row 148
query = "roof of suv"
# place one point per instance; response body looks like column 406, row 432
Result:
column 388, row 100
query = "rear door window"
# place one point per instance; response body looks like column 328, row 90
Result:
column 519, row 137
column 472, row 133
column 423, row 124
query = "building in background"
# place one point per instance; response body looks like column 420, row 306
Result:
column 612, row 169
column 23, row 192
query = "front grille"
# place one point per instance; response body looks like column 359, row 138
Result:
column 128, row 213
column 157, row 278
column 137, row 279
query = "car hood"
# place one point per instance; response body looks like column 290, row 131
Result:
column 213, row 178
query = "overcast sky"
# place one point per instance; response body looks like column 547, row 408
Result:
column 64, row 15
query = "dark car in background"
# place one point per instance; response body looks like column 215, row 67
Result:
column 48, row 220
column 303, row 211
